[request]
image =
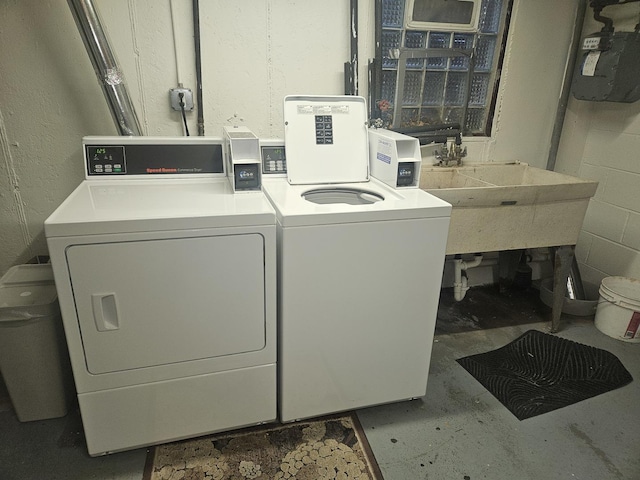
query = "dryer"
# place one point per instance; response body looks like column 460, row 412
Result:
column 166, row 282
column 359, row 267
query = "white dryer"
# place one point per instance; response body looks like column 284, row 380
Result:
column 359, row 267
column 166, row 282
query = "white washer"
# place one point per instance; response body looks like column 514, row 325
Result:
column 166, row 282
column 359, row 268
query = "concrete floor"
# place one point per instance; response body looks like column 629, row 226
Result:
column 457, row 431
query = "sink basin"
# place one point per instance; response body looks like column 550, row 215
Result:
column 509, row 206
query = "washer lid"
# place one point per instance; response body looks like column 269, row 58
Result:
column 326, row 139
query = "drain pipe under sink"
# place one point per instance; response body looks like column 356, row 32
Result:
column 460, row 281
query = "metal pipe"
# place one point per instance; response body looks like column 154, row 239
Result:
column 375, row 66
column 566, row 85
column 106, row 67
column 196, row 39
column 354, row 46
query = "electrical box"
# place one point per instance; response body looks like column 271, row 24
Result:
column 243, row 159
column 394, row 158
column 609, row 69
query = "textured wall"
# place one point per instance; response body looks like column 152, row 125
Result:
column 535, row 60
column 48, row 99
column 253, row 54
column 601, row 141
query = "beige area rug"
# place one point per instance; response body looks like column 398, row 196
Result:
column 326, row 448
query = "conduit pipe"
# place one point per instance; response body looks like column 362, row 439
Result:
column 460, row 286
column 563, row 101
column 106, row 67
column 196, row 39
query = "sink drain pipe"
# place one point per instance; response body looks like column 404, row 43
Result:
column 460, row 267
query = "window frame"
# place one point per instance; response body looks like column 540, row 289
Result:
column 386, row 111
column 413, row 24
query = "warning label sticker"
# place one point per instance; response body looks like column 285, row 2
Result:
column 590, row 63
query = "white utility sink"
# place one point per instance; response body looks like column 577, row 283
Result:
column 509, row 206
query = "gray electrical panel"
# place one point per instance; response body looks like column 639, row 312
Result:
column 609, row 68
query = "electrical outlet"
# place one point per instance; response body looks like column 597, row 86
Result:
column 174, row 97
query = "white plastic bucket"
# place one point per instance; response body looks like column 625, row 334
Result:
column 618, row 312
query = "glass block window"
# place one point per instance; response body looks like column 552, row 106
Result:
column 456, row 86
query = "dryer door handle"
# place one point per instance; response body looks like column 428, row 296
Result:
column 105, row 311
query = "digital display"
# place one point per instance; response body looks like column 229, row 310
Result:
column 273, row 153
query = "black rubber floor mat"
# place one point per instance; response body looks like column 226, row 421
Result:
column 538, row 373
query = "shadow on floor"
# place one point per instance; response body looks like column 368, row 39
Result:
column 485, row 308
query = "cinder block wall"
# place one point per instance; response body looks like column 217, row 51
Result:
column 601, row 141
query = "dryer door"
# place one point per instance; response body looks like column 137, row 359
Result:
column 155, row 302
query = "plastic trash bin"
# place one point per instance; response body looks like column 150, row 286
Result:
column 33, row 355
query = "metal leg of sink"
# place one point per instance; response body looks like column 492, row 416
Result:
column 561, row 271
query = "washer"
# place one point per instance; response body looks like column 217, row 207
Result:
column 167, row 287
column 359, row 267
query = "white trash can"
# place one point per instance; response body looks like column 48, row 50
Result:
column 618, row 312
column 33, row 354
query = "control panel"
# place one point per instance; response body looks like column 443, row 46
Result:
column 152, row 156
column 106, row 159
column 273, row 157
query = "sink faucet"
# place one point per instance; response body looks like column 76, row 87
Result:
column 451, row 156
column 448, row 156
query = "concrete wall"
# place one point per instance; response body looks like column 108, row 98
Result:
column 601, row 141
column 253, row 54
column 48, row 98
column 535, row 62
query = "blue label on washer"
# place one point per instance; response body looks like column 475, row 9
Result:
column 383, row 157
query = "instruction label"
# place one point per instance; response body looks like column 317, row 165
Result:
column 322, row 109
column 590, row 63
column 384, row 151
